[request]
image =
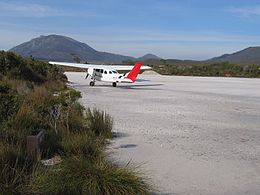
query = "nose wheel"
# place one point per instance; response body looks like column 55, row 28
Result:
column 92, row 83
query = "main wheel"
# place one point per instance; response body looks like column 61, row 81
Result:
column 92, row 83
column 114, row 84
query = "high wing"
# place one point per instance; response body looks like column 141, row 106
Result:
column 86, row 66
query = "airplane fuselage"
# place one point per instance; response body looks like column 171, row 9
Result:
column 107, row 75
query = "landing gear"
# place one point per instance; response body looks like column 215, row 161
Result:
column 92, row 83
column 114, row 84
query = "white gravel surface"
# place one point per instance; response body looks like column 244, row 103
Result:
column 192, row 135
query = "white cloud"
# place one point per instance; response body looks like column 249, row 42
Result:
column 245, row 11
column 27, row 10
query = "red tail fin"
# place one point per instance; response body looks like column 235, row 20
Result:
column 135, row 71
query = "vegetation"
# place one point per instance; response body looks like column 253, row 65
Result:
column 33, row 96
column 223, row 69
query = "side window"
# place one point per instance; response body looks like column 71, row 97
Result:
column 101, row 71
column 97, row 70
column 105, row 72
column 110, row 72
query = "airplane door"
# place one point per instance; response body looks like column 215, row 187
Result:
column 97, row 74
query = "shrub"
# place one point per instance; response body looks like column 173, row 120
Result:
column 15, row 67
column 51, row 144
column 99, row 122
column 9, row 103
column 14, row 168
column 21, row 124
column 71, row 119
column 84, row 144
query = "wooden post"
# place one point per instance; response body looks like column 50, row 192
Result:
column 33, row 144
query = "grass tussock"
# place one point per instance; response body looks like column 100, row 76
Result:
column 83, row 144
column 14, row 169
column 80, row 175
column 99, row 122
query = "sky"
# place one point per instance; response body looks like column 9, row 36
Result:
column 180, row 29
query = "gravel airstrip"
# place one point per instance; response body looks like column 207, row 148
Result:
column 191, row 135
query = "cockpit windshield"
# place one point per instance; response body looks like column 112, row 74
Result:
column 115, row 72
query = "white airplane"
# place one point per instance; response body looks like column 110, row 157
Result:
column 108, row 73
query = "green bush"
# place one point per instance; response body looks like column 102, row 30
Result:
column 99, row 122
column 14, row 168
column 9, row 103
column 51, row 144
column 84, row 144
column 15, row 67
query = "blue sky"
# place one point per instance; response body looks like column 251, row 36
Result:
column 183, row 29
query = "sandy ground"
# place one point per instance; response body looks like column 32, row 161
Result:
column 192, row 135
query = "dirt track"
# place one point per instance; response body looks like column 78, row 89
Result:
column 194, row 135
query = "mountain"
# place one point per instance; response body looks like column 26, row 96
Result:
column 250, row 55
column 149, row 57
column 62, row 48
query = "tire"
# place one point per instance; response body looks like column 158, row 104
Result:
column 92, row 83
column 114, row 84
